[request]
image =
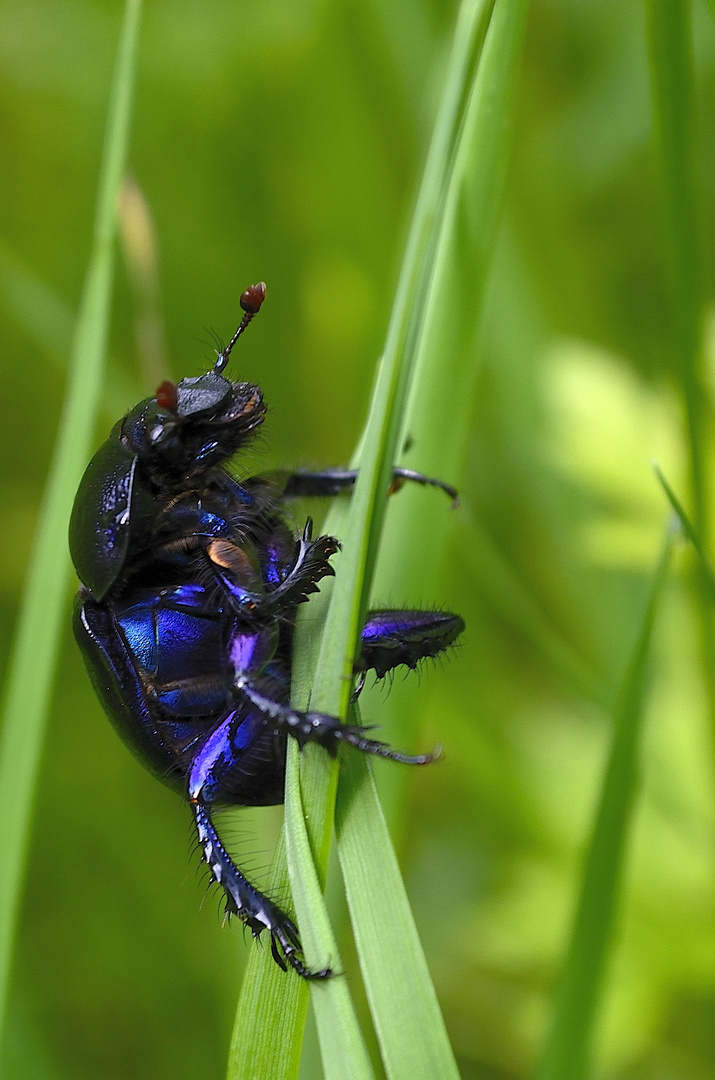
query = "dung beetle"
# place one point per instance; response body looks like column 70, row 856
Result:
column 185, row 615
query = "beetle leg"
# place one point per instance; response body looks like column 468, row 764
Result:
column 333, row 481
column 250, row 905
column 392, row 638
column 210, row 771
column 310, row 566
column 359, row 687
column 327, row 731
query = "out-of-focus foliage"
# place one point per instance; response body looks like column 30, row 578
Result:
column 282, row 141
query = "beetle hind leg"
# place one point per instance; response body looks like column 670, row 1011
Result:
column 251, row 906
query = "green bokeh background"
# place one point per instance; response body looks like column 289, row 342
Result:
column 283, row 141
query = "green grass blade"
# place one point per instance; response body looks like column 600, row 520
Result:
column 261, row 1048
column 568, row 1047
column 40, row 621
column 439, row 405
column 688, row 530
column 403, row 1002
column 674, row 106
column 687, row 525
column 365, row 515
column 49, row 324
column 342, row 1046
column 672, row 74
column 382, row 431
column 272, row 1007
column 510, row 597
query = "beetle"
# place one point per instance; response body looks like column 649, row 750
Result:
column 190, row 581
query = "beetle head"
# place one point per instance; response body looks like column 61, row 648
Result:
column 187, row 429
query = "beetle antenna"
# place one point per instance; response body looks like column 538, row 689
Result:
column 250, row 301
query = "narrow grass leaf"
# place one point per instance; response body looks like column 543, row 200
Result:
column 501, row 586
column 441, row 394
column 403, row 1002
column 672, row 75
column 687, row 525
column 37, row 638
column 688, row 530
column 670, row 39
column 342, row 1046
column 259, row 1048
column 382, row 431
column 272, row 1007
column 568, row 1048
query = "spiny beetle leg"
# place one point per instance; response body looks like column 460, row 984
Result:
column 250, row 905
column 323, row 729
column 392, row 638
column 311, row 565
column 328, row 482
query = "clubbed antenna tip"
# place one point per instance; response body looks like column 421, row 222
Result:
column 250, row 301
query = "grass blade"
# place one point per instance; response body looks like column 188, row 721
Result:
column 568, row 1048
column 342, row 1046
column 673, row 89
column 271, row 1010
column 670, row 40
column 39, row 626
column 402, row 999
column 688, row 530
column 272, row 1007
column 403, row 1002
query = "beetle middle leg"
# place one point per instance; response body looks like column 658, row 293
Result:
column 390, row 639
column 328, row 731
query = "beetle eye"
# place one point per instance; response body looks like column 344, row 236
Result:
column 167, row 396
column 156, row 433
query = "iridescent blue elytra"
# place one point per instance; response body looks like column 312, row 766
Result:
column 190, row 584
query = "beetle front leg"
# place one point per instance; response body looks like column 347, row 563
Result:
column 326, row 482
column 311, row 564
column 211, row 765
column 327, row 731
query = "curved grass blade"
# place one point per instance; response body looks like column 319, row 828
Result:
column 446, row 368
column 403, row 1002
column 688, row 530
column 568, row 1047
column 402, row 999
column 272, row 1008
column 501, row 586
column 40, row 620
column 49, row 324
column 342, row 1046
column 673, row 87
column 670, row 40
column 378, row 450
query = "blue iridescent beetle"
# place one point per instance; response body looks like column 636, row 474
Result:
column 190, row 584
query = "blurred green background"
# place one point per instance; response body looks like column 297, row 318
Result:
column 283, row 141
